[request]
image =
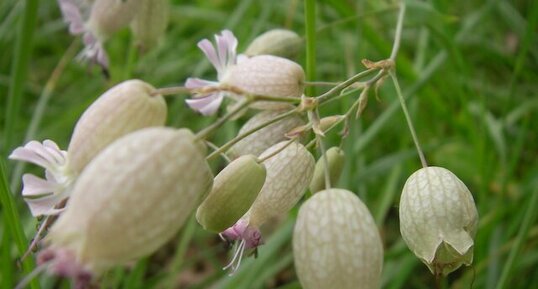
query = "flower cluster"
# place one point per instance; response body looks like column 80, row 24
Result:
column 127, row 183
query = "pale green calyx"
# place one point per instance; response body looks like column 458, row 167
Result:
column 131, row 199
column 124, row 108
column 288, row 174
column 335, row 161
column 336, row 243
column 279, row 42
column 150, row 22
column 438, row 219
column 234, row 190
column 262, row 139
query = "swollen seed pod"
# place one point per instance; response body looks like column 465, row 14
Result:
column 335, row 159
column 438, row 219
column 267, row 75
column 107, row 17
column 150, row 22
column 126, row 107
column 336, row 243
column 234, row 190
column 288, row 175
column 131, row 199
column 277, row 42
column 262, row 139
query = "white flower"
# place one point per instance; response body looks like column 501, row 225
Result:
column 222, row 55
column 43, row 195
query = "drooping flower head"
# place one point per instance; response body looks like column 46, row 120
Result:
column 239, row 76
column 96, row 21
column 126, row 107
column 288, row 174
column 118, row 213
column 222, row 56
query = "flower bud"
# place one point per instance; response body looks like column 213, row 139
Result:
column 336, row 243
column 150, row 22
column 107, row 17
column 335, row 160
column 288, row 175
column 277, row 42
column 234, row 190
column 267, row 75
column 438, row 219
column 131, row 199
column 262, row 139
column 124, row 108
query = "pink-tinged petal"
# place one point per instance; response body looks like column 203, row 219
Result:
column 231, row 40
column 223, row 53
column 193, row 83
column 72, row 16
column 46, row 155
column 54, row 150
column 45, row 205
column 37, row 187
column 211, row 54
column 94, row 51
column 206, row 105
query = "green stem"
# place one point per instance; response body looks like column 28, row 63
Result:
column 287, row 144
column 408, row 119
column 398, row 36
column 236, row 139
column 310, row 32
column 206, row 132
column 19, row 70
column 179, row 256
column 337, row 89
column 12, row 221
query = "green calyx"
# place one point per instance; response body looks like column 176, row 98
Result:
column 234, row 190
column 335, row 160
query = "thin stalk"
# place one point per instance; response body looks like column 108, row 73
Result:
column 323, row 151
column 408, row 119
column 337, row 89
column 170, row 90
column 206, row 132
column 215, row 147
column 398, row 35
column 287, row 144
column 310, row 33
column 12, row 221
column 238, row 138
column 19, row 69
column 320, row 83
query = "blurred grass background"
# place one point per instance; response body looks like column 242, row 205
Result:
column 468, row 68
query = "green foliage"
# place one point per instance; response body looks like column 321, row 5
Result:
column 469, row 71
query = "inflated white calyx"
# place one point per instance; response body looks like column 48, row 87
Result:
column 234, row 190
column 288, row 174
column 438, row 219
column 336, row 243
column 279, row 42
column 267, row 75
column 262, row 139
column 124, row 108
column 150, row 22
column 130, row 200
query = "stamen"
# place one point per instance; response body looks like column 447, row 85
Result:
column 238, row 251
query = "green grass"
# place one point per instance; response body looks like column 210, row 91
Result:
column 469, row 73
